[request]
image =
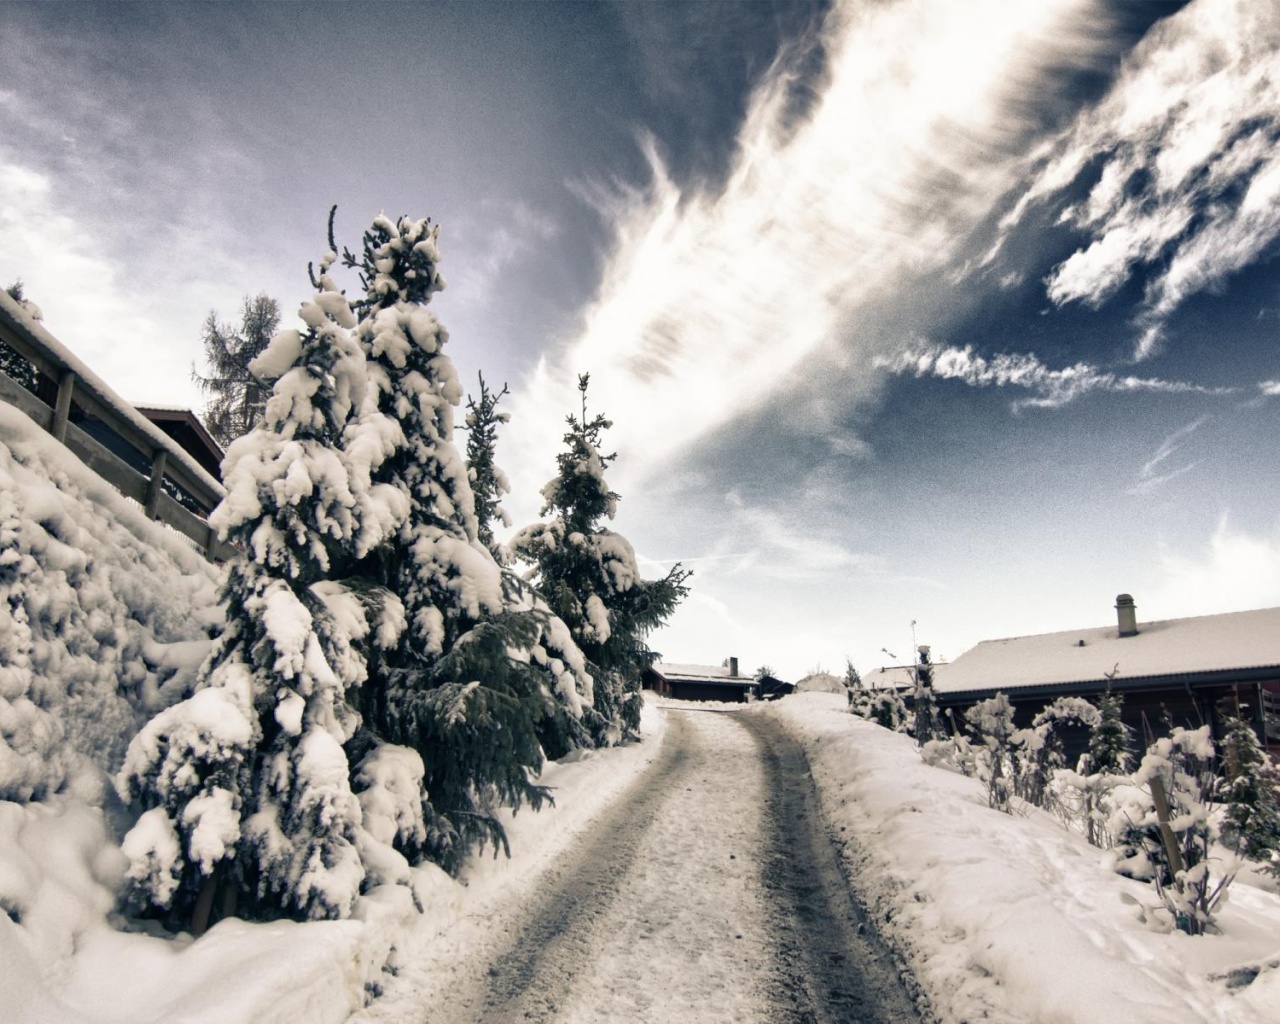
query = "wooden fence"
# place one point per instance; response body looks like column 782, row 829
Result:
column 78, row 397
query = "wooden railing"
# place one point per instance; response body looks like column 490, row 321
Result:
column 81, row 396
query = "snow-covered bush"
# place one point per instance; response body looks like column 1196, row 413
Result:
column 884, row 707
column 589, row 578
column 103, row 618
column 1167, row 827
column 991, row 725
column 1039, row 751
column 1084, row 796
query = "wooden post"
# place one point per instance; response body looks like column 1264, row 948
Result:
column 154, row 489
column 62, row 406
column 1170, row 841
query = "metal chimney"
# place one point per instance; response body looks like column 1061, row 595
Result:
column 1127, row 615
column 733, row 668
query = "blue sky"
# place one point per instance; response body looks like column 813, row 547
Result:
column 960, row 315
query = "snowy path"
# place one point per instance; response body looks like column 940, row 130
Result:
column 706, row 893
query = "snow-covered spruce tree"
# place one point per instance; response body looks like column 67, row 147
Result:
column 1250, row 789
column 237, row 397
column 926, row 723
column 589, row 578
column 488, row 482
column 462, row 687
column 564, row 723
column 991, row 724
column 1111, row 741
column 247, row 780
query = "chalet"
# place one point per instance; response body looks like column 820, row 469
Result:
column 1195, row 669
column 709, row 682
column 186, row 428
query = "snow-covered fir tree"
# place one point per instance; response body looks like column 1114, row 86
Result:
column 589, row 577
column 927, row 722
column 236, row 397
column 568, row 716
column 488, row 482
column 991, row 725
column 1250, row 789
column 247, row 780
column 1110, row 741
column 464, row 687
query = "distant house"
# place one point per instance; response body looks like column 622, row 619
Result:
column 185, row 427
column 1195, row 669
column 709, row 682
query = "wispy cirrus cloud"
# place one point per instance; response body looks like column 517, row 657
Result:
column 712, row 299
column 1189, row 186
column 1156, row 471
column 1052, row 388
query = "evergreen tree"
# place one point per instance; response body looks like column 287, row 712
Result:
column 928, row 723
column 464, row 687
column 1110, row 741
column 17, row 367
column 248, row 779
column 488, row 482
column 238, row 397
column 589, row 577
column 568, row 687
column 1250, row 789
column 991, row 724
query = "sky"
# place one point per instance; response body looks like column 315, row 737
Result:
column 917, row 322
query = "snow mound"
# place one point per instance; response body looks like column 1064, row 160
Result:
column 1010, row 917
column 108, row 616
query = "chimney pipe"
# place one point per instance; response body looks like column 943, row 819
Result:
column 733, row 668
column 1127, row 615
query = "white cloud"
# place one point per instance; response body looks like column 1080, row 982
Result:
column 1155, row 472
column 106, row 317
column 710, row 301
column 1236, row 571
column 1053, row 388
column 1190, row 179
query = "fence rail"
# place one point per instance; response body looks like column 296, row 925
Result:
column 79, row 396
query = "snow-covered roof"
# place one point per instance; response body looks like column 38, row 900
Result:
column 705, row 673
column 1204, row 644
column 892, row 677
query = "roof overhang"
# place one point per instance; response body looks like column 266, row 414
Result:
column 1131, row 684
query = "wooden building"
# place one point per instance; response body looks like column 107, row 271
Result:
column 708, row 682
column 1195, row 669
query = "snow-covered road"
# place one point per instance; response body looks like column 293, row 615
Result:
column 708, row 892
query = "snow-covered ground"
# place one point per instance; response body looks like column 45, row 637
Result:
column 67, row 963
column 1011, row 918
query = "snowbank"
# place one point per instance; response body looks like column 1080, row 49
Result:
column 106, row 618
column 1012, row 918
column 61, row 960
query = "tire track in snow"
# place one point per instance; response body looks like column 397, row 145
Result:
column 708, row 894
column 555, row 934
column 831, row 967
